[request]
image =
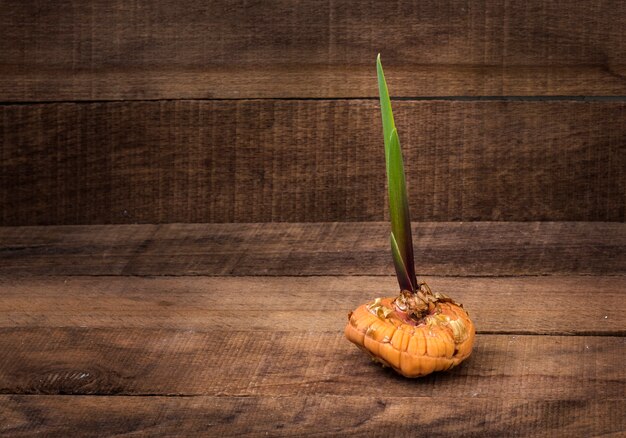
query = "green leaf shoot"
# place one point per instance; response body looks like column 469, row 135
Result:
column 401, row 272
column 398, row 200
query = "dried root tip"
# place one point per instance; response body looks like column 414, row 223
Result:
column 419, row 304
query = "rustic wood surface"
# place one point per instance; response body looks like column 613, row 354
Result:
column 309, row 161
column 231, row 362
column 137, row 351
column 97, row 50
column 442, row 248
column 534, row 305
column 318, row 415
column 175, row 119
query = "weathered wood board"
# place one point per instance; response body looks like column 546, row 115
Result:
column 309, row 161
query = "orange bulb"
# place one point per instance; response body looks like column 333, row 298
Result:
column 440, row 340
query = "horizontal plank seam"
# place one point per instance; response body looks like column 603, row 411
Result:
column 120, row 394
column 287, row 396
column 538, row 333
column 414, row 223
column 173, row 275
column 539, row 98
column 582, row 333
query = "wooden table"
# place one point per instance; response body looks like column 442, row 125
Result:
column 237, row 329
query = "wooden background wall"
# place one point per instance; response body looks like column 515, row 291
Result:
column 253, row 111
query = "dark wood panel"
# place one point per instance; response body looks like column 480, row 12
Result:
column 227, row 362
column 449, row 249
column 352, row 415
column 82, row 250
column 469, row 249
column 311, row 161
column 537, row 305
column 196, row 49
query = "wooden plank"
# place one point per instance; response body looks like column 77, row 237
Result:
column 86, row 250
column 535, row 305
column 344, row 415
column 224, row 362
column 468, row 249
column 309, row 161
column 75, row 50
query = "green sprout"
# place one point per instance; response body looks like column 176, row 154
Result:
column 417, row 332
column 401, row 238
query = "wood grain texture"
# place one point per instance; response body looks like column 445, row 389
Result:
column 347, row 415
column 225, row 362
column 95, row 50
column 247, row 350
column 309, row 161
column 449, row 249
column 531, row 305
